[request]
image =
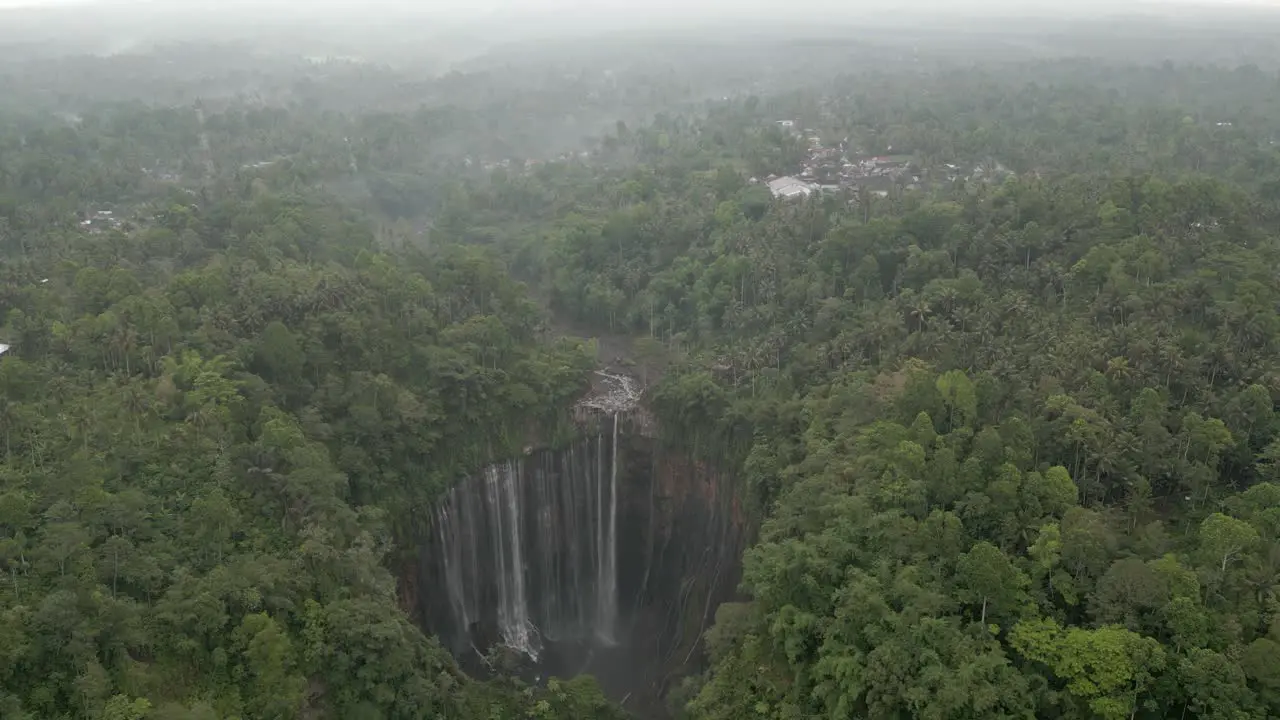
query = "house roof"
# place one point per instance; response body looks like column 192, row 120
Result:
column 788, row 186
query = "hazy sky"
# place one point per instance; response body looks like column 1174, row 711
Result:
column 472, row 6
column 543, row 18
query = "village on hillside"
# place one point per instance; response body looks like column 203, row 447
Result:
column 841, row 167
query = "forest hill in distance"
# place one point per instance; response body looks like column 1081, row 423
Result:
column 546, row 363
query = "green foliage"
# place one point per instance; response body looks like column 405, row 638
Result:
column 1008, row 429
column 1009, row 442
column 1224, row 537
column 988, row 577
column 206, row 458
column 1109, row 667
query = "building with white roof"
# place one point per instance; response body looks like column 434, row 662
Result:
column 789, row 187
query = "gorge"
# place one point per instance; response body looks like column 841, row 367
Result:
column 607, row 556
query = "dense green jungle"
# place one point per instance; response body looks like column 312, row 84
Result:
column 986, row 407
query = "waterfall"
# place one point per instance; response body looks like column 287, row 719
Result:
column 513, row 607
column 607, row 613
column 527, row 551
column 453, row 563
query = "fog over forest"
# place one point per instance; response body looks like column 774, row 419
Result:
column 444, row 31
column 600, row 360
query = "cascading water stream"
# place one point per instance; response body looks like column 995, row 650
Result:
column 605, row 557
column 513, row 606
column 607, row 616
column 528, row 552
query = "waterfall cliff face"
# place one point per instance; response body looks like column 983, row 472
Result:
column 527, row 551
column 607, row 557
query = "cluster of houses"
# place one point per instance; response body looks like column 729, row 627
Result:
column 521, row 166
column 833, row 169
column 96, row 221
column 162, row 175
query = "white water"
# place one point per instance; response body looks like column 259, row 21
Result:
column 453, row 579
column 607, row 612
column 528, row 554
column 518, row 632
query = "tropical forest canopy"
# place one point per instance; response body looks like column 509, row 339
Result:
column 1001, row 393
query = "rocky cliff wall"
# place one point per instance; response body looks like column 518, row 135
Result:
column 608, row 557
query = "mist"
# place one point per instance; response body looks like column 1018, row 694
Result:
column 657, row 360
column 446, row 32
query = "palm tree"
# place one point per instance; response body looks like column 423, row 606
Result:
column 123, row 340
column 1118, row 369
column 918, row 310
